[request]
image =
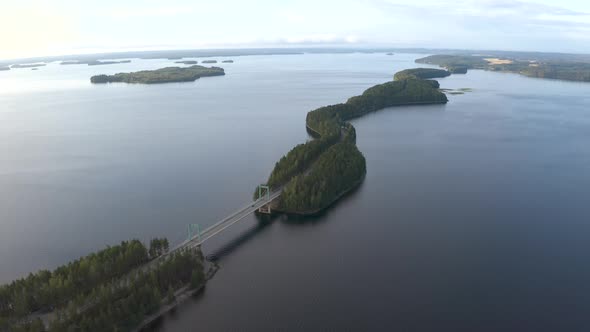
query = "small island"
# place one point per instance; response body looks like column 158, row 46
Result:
column 562, row 69
column 187, row 62
column 209, row 61
column 163, row 75
column 389, row 53
column 227, row 61
column 316, row 174
column 72, row 62
column 92, row 62
column 28, row 65
column 101, row 63
column 4, row 68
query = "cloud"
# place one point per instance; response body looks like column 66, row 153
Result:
column 147, row 12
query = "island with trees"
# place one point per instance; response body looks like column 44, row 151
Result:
column 163, row 75
column 317, row 173
column 209, row 61
column 227, row 61
column 539, row 67
column 187, row 62
column 93, row 62
column 28, row 65
column 115, row 289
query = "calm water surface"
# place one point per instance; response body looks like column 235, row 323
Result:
column 473, row 215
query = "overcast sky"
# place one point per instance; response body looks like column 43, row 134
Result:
column 37, row 27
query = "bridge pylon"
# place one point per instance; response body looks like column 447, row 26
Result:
column 191, row 231
column 266, row 191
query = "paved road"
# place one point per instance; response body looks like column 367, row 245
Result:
column 226, row 222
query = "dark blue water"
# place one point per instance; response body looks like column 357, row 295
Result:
column 473, row 215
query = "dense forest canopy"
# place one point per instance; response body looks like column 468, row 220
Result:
column 111, row 289
column 163, row 75
column 421, row 73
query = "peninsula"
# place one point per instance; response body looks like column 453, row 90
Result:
column 315, row 174
column 568, row 70
column 163, row 75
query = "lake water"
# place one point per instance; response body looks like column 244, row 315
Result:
column 473, row 216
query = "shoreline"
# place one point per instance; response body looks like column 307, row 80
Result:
column 180, row 296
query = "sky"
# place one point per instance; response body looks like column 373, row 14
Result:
column 40, row 27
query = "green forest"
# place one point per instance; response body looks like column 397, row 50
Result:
column 162, row 75
column 568, row 70
column 421, row 73
column 111, row 288
column 318, row 172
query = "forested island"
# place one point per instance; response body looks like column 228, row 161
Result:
column 163, row 75
column 568, row 70
column 92, row 62
column 28, row 65
column 110, row 290
column 315, row 174
column 209, row 61
column 187, row 62
column 227, row 61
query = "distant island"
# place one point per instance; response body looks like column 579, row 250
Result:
column 316, row 174
column 163, row 75
column 187, row 62
column 209, row 61
column 4, row 68
column 568, row 70
column 389, row 53
column 92, row 62
column 28, row 65
column 100, row 63
column 227, row 61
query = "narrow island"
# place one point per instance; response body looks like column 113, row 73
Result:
column 209, row 61
column 568, row 70
column 102, row 63
column 4, row 68
column 187, row 62
column 28, row 65
column 92, row 62
column 119, row 288
column 227, row 61
column 316, row 174
column 163, row 75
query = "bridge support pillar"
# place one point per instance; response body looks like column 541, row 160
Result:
column 265, row 209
